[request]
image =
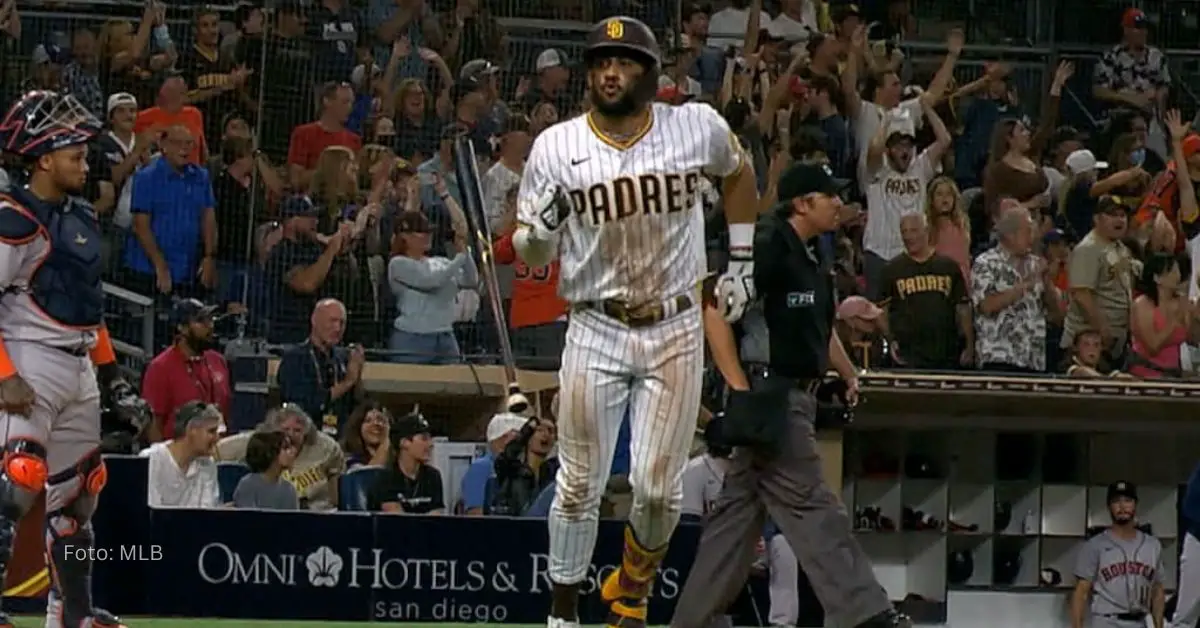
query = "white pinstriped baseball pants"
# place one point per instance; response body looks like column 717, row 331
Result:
column 655, row 371
column 1187, row 608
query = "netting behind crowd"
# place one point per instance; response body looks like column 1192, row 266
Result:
column 312, row 128
column 339, row 111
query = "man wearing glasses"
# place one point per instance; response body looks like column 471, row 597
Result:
column 174, row 238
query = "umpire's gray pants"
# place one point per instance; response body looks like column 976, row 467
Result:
column 791, row 488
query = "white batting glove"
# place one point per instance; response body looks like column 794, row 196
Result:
column 735, row 288
column 551, row 210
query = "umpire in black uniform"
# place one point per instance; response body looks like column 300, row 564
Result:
column 777, row 470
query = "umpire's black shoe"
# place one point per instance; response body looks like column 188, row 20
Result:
column 104, row 619
column 887, row 619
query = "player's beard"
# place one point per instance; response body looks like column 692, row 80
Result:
column 1122, row 519
column 198, row 344
column 626, row 105
column 68, row 186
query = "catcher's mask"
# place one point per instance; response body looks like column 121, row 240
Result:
column 833, row 408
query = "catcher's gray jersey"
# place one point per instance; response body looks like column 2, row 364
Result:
column 1122, row 572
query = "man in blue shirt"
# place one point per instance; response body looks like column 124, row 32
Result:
column 174, row 236
column 501, row 430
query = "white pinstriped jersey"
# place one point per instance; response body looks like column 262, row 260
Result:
column 637, row 234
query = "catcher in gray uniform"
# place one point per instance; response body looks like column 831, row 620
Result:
column 1120, row 569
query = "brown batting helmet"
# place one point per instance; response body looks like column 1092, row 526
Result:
column 623, row 35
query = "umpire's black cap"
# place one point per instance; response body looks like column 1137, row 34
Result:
column 1121, row 489
column 802, row 179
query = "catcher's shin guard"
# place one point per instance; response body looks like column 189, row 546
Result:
column 22, row 476
column 70, row 542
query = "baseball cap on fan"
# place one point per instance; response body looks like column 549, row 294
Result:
column 191, row 310
column 550, row 58
column 504, row 423
column 121, row 99
column 298, row 206
column 474, row 74
column 47, row 53
column 1082, row 161
column 1134, row 18
column 358, row 76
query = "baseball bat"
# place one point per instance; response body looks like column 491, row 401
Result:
column 480, row 240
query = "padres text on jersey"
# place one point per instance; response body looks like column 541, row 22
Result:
column 637, row 234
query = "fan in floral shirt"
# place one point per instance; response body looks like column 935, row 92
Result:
column 1012, row 293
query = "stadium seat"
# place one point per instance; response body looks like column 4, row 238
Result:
column 228, row 476
column 355, row 485
column 540, row 507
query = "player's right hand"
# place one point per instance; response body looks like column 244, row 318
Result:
column 16, row 396
column 552, row 209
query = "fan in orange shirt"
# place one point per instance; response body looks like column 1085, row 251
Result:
column 171, row 110
column 1164, row 196
column 538, row 317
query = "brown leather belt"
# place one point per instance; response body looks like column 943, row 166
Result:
column 642, row 315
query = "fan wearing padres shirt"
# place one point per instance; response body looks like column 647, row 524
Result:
column 615, row 193
column 925, row 297
column 1120, row 569
column 896, row 182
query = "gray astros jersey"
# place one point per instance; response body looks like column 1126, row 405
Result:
column 637, row 234
column 702, row 480
column 1122, row 572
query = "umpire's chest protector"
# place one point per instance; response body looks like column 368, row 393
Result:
column 66, row 285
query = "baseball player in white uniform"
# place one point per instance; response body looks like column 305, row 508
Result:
column 1120, row 569
column 1187, row 598
column 615, row 194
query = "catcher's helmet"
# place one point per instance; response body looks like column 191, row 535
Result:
column 627, row 37
column 41, row 122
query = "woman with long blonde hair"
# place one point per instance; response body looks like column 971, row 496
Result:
column 333, row 190
column 334, row 185
column 949, row 230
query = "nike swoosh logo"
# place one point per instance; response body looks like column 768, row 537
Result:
column 576, row 162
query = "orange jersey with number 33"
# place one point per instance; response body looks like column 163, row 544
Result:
column 535, row 299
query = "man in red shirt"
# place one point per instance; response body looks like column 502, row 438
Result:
column 186, row 371
column 308, row 140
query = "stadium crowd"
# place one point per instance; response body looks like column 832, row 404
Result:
column 294, row 168
column 216, row 181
